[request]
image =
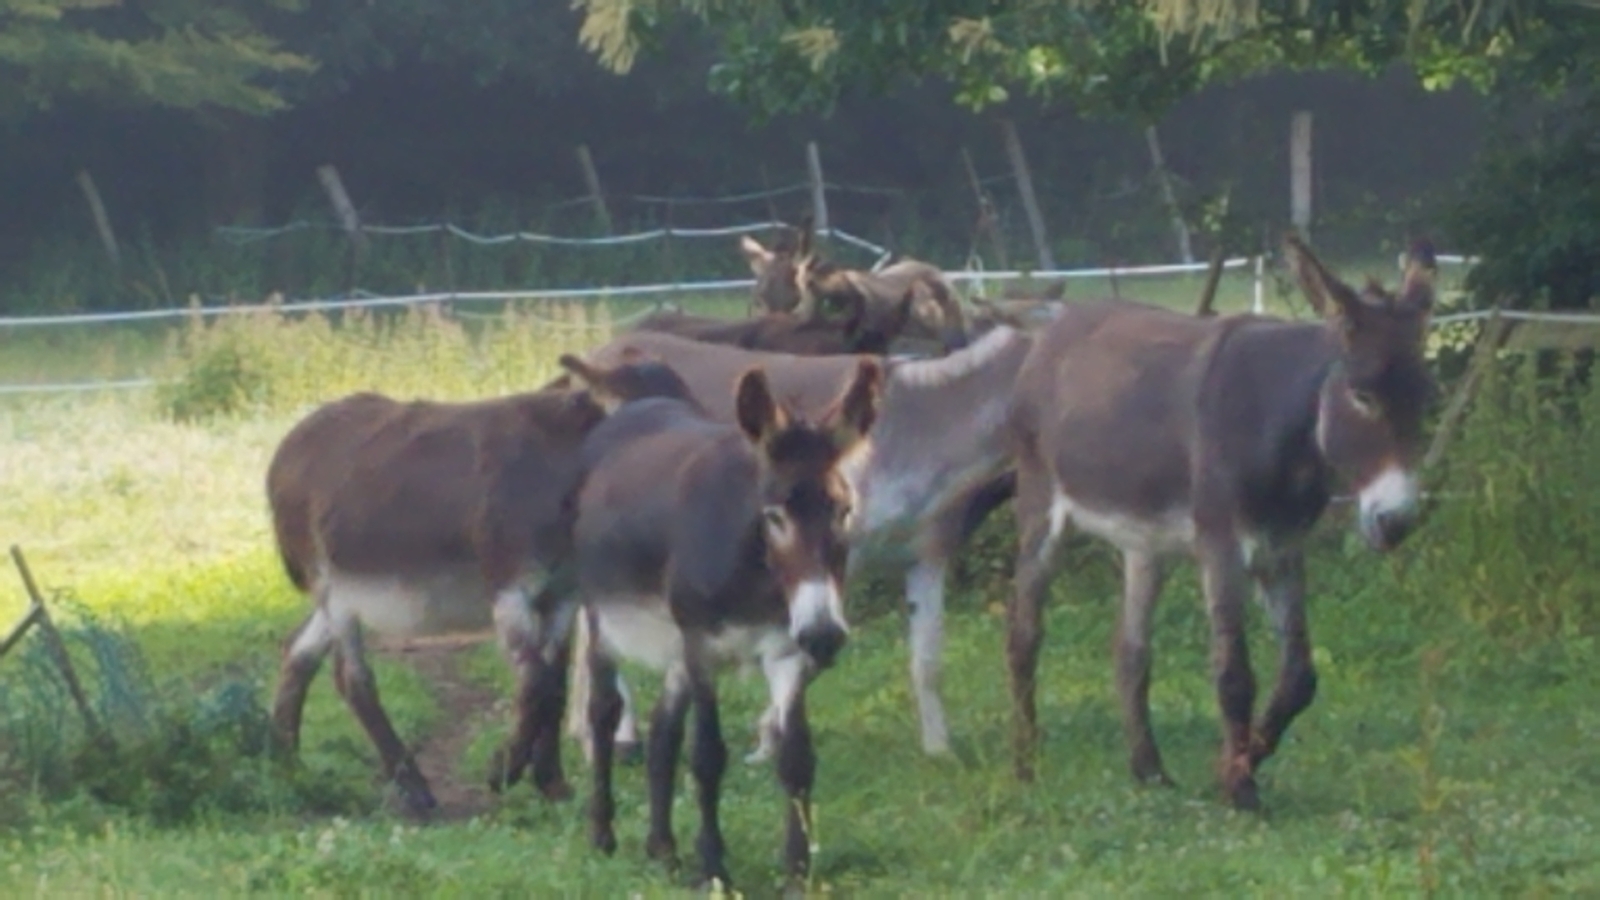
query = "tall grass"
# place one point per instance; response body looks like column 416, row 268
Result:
column 1450, row 749
column 265, row 363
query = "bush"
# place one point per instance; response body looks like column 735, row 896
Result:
column 269, row 363
column 1512, row 541
column 167, row 752
column 1531, row 210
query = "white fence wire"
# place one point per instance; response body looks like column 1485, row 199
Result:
column 366, row 300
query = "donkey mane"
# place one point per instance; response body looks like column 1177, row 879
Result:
column 944, row 370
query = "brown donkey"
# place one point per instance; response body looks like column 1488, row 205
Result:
column 861, row 328
column 427, row 518
column 702, row 544
column 797, row 279
column 938, row 464
column 1220, row 438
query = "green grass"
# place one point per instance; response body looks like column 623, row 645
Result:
column 1451, row 749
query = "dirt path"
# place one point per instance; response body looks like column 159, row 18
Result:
column 464, row 707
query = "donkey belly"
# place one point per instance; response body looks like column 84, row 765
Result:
column 449, row 601
column 642, row 630
column 1167, row 532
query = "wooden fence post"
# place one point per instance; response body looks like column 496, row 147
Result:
column 102, row 221
column 39, row 617
column 988, row 223
column 1496, row 329
column 1300, row 173
column 1208, row 295
column 1030, row 201
column 342, row 207
column 591, row 180
column 819, row 188
column 1158, row 164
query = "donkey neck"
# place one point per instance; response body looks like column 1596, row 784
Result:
column 1271, row 439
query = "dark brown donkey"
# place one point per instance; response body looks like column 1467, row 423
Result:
column 798, row 279
column 860, row 328
column 937, row 465
column 427, row 518
column 702, row 544
column 1221, row 438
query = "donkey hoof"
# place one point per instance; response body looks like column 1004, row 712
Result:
column 1244, row 796
column 417, row 801
column 661, row 849
column 757, row 756
column 557, row 791
column 604, row 840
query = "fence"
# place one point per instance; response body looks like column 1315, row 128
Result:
column 976, row 276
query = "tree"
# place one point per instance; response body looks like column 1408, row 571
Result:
column 188, row 54
column 1109, row 57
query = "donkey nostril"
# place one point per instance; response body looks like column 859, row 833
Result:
column 1393, row 526
column 822, row 644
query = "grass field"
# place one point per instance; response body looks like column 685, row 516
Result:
column 1451, row 750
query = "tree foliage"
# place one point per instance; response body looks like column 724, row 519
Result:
column 189, row 54
column 1107, row 57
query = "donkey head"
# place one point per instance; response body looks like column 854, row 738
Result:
column 1371, row 407
column 779, row 271
column 806, row 501
column 636, row 377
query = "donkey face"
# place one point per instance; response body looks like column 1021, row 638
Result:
column 806, row 502
column 1370, row 411
column 779, row 271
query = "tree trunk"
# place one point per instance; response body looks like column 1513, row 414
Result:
column 234, row 163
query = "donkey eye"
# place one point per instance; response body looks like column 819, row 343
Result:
column 775, row 517
column 1365, row 401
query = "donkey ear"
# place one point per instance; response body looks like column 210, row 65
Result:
column 1417, row 290
column 856, row 409
column 760, row 417
column 1330, row 297
column 757, row 256
column 590, row 379
column 803, row 246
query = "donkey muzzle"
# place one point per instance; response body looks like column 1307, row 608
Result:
column 822, row 643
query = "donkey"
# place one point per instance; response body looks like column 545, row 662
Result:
column 699, row 545
column 798, row 279
column 1220, row 438
column 937, row 466
column 861, row 329
column 428, row 518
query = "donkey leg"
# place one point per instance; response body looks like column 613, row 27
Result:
column 519, row 639
column 1142, row 578
column 629, row 747
column 663, row 747
column 551, row 666
column 577, row 728
column 356, row 684
column 709, row 761
column 604, row 709
column 1039, row 528
column 797, row 761
column 925, row 595
column 1225, row 582
column 308, row 645
column 1282, row 586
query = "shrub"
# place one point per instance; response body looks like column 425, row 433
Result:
column 1511, row 544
